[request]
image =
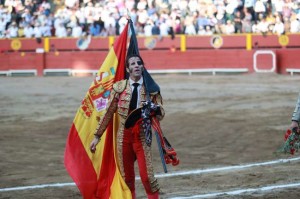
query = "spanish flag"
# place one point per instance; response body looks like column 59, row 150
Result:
column 97, row 175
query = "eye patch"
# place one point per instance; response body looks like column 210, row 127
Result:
column 138, row 63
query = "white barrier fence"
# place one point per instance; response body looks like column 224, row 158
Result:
column 76, row 72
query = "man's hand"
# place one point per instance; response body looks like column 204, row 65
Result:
column 153, row 107
column 294, row 125
column 94, row 144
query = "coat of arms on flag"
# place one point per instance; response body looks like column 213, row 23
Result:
column 92, row 172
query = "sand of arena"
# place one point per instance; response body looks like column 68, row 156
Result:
column 212, row 121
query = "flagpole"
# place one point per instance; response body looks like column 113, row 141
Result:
column 148, row 100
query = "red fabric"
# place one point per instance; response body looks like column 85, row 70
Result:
column 120, row 50
column 77, row 162
column 133, row 150
column 74, row 151
column 106, row 178
column 153, row 195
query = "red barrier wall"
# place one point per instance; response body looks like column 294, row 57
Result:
column 182, row 52
column 74, row 60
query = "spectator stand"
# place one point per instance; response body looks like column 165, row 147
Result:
column 194, row 22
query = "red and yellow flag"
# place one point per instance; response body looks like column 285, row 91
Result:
column 97, row 175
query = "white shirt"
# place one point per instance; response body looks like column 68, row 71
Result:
column 28, row 32
column 37, row 31
column 278, row 28
column 295, row 26
column 61, row 31
column 13, row 31
column 76, row 31
column 148, row 29
column 2, row 25
column 138, row 89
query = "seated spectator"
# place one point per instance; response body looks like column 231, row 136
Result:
column 228, row 28
column 28, row 31
column 122, row 23
column 278, row 5
column 189, row 26
column 94, row 29
column 12, row 31
column 295, row 24
column 111, row 31
column 259, row 8
column 103, row 32
column 27, row 16
column 238, row 26
column 168, row 17
column 287, row 10
column 230, row 8
column 46, row 30
column 271, row 19
column 278, row 27
column 247, row 22
column 148, row 28
column 164, row 28
column 2, row 26
column 263, row 25
column 155, row 29
column 201, row 31
column 45, row 7
column 37, row 31
column 61, row 31
column 69, row 31
column 208, row 30
column 286, row 24
column 202, row 20
column 72, row 3
column 77, row 31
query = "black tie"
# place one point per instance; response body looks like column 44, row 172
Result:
column 134, row 97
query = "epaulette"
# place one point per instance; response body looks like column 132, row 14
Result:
column 120, row 86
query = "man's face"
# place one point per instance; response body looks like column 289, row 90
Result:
column 135, row 68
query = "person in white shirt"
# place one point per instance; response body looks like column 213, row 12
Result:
column 279, row 27
column 229, row 28
column 61, row 31
column 12, row 31
column 189, row 26
column 76, row 31
column 46, row 30
column 259, row 7
column 58, row 20
column 27, row 16
column 201, row 31
column 209, row 30
column 164, row 29
column 2, row 25
column 71, row 3
column 37, row 31
column 28, row 31
column 295, row 24
column 148, row 28
column 263, row 26
column 110, row 20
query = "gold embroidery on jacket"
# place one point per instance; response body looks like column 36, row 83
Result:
column 148, row 157
column 123, row 108
column 119, row 101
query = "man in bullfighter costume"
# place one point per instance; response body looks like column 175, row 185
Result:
column 134, row 141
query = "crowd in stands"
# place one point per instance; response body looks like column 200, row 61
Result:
column 76, row 18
